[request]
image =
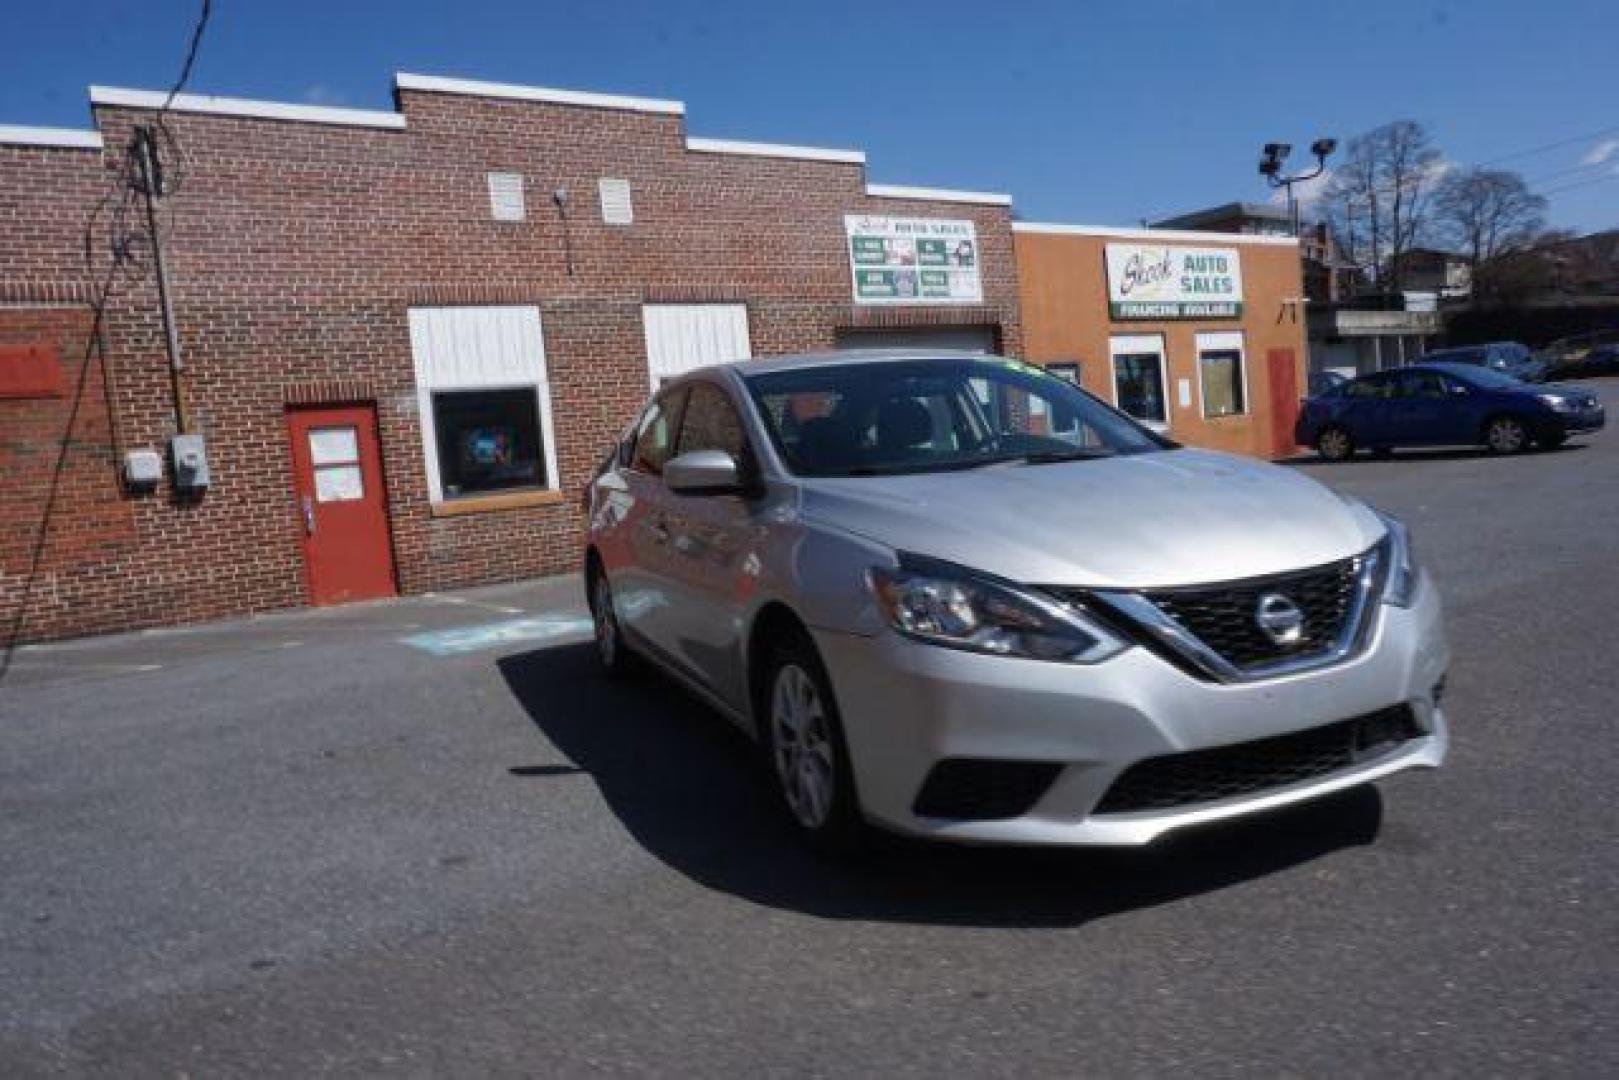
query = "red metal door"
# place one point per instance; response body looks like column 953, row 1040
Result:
column 342, row 512
column 1284, row 400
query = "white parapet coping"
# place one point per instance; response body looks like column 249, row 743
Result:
column 63, row 138
column 1152, row 234
column 929, row 194
column 262, row 110
column 775, row 150
column 438, row 84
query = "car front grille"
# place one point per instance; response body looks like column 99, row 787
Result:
column 1214, row 631
column 1223, row 616
column 1203, row 776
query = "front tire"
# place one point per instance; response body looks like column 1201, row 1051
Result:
column 809, row 758
column 610, row 651
column 1335, row 444
column 1506, row 435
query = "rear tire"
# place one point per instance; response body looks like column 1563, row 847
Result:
column 807, row 753
column 1335, row 444
column 1506, row 435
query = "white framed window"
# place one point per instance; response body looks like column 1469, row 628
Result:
column 1140, row 378
column 684, row 337
column 484, row 400
column 1222, row 374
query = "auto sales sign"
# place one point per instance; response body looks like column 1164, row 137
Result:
column 1167, row 281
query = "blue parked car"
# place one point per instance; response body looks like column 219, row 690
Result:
column 1444, row 405
column 1508, row 357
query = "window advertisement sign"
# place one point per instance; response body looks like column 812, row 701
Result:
column 1167, row 281
column 913, row 260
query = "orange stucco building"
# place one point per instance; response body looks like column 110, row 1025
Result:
column 1201, row 335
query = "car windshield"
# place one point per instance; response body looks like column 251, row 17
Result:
column 874, row 418
column 1484, row 378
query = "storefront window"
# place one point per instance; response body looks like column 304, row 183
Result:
column 488, row 440
column 1138, row 378
column 1219, row 364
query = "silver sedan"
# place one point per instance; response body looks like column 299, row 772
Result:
column 954, row 596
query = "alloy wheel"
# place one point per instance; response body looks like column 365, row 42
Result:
column 1506, row 435
column 1334, row 444
column 802, row 746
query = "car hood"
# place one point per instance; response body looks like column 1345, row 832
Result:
column 1574, row 390
column 1176, row 517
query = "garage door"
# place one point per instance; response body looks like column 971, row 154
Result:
column 976, row 338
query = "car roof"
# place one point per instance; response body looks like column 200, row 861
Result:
column 833, row 358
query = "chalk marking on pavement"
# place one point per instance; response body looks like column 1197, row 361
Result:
column 551, row 630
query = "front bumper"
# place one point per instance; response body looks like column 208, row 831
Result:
column 1593, row 419
column 907, row 706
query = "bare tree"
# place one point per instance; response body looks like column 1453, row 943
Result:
column 1487, row 213
column 1378, row 199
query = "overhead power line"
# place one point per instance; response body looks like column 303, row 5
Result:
column 124, row 253
column 1608, row 179
column 1548, row 147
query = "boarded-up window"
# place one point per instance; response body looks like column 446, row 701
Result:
column 684, row 337
column 1220, row 371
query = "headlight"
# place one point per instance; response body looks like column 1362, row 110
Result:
column 948, row 605
column 1557, row 402
column 1401, row 587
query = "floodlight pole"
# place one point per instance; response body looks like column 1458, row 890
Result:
column 1270, row 167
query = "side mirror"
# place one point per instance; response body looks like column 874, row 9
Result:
column 704, row 472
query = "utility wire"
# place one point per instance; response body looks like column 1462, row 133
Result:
column 1610, row 178
column 180, row 161
column 1558, row 145
column 123, row 251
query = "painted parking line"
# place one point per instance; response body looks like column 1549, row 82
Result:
column 544, row 630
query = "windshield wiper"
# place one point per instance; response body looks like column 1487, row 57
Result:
column 1052, row 457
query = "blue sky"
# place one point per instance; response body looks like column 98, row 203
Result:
column 1087, row 112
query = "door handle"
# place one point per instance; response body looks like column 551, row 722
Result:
column 309, row 516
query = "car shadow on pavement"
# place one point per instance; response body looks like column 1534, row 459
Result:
column 689, row 788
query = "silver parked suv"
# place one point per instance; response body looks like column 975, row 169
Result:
column 957, row 597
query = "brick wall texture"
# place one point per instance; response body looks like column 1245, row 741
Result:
column 296, row 250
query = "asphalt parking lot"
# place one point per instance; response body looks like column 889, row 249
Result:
column 425, row 837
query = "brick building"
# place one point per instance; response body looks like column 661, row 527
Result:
column 407, row 336
column 1198, row 334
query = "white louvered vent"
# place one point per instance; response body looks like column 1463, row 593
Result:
column 616, row 206
column 506, row 196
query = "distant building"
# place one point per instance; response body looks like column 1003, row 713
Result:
column 1252, row 219
column 1446, row 274
column 1327, row 278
